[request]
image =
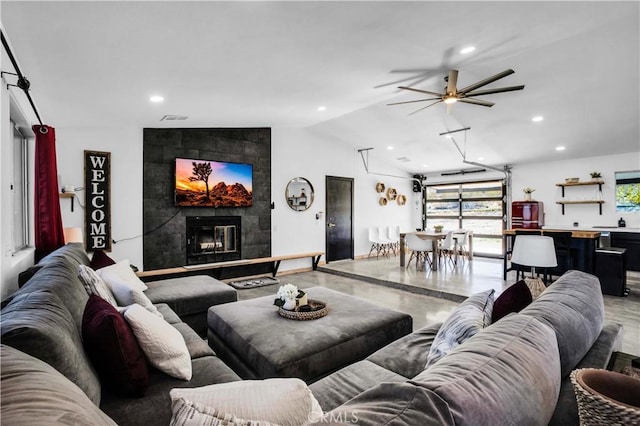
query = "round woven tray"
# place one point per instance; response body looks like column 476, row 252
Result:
column 318, row 310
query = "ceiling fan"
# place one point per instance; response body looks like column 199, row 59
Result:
column 466, row 95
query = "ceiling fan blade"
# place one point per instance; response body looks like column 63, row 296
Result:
column 452, row 81
column 486, row 81
column 476, row 102
column 497, row 90
column 420, row 91
column 425, row 107
column 410, row 102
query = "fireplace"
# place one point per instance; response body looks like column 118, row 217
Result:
column 213, row 239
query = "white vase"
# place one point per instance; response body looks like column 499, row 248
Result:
column 527, row 196
column 289, row 304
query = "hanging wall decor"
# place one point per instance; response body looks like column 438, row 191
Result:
column 391, row 194
column 380, row 187
column 97, row 213
column 401, row 200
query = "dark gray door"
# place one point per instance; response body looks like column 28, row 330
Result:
column 339, row 220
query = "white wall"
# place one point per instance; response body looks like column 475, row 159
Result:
column 125, row 146
column 544, row 176
column 302, row 152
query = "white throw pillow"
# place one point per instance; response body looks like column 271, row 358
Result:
column 123, row 272
column 186, row 413
column 126, row 295
column 95, row 285
column 163, row 344
column 281, row 401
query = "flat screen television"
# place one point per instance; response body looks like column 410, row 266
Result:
column 206, row 183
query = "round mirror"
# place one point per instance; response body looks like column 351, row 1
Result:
column 299, row 194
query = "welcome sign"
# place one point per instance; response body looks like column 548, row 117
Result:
column 97, row 212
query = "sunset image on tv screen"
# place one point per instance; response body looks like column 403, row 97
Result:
column 203, row 183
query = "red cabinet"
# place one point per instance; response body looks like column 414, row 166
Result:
column 527, row 214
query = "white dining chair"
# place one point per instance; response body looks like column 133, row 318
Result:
column 394, row 236
column 376, row 243
column 387, row 244
column 463, row 243
column 448, row 248
column 419, row 250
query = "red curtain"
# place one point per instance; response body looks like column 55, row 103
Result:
column 49, row 234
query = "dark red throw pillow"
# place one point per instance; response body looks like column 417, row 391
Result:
column 513, row 299
column 100, row 260
column 113, row 349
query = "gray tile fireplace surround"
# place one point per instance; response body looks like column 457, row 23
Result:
column 164, row 224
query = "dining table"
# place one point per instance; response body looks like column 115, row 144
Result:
column 436, row 237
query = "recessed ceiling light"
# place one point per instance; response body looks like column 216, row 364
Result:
column 448, row 136
column 390, row 148
column 467, row 49
column 322, row 108
column 156, row 99
column 560, row 148
column 480, row 158
column 425, row 165
column 537, row 118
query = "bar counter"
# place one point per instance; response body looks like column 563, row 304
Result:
column 583, row 244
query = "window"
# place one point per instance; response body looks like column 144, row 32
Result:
column 628, row 191
column 19, row 188
column 476, row 206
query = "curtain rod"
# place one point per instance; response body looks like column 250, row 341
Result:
column 22, row 80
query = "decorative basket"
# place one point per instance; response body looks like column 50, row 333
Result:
column 595, row 408
column 318, row 310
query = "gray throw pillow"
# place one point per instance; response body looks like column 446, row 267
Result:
column 466, row 320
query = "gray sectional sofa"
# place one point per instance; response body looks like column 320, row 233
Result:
column 515, row 371
column 43, row 319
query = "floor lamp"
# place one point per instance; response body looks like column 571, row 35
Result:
column 535, row 251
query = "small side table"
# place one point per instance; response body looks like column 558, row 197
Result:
column 625, row 363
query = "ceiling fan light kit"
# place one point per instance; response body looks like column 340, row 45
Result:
column 466, row 95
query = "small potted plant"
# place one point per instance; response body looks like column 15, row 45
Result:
column 527, row 193
column 595, row 175
column 438, row 228
column 289, row 297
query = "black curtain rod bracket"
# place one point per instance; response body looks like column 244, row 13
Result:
column 23, row 83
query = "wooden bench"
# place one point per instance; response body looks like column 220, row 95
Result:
column 274, row 260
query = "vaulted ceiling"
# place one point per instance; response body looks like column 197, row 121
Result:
column 231, row 64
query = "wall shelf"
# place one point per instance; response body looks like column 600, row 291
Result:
column 592, row 182
column 70, row 195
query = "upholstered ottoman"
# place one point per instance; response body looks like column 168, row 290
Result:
column 191, row 297
column 256, row 342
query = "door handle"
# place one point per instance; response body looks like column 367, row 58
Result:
column 331, row 225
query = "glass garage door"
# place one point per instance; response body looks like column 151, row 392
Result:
column 477, row 206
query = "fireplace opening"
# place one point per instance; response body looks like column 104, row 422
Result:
column 213, row 239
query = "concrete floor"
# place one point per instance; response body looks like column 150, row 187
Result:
column 430, row 296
